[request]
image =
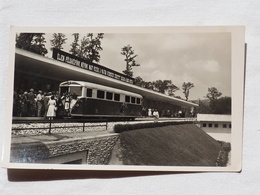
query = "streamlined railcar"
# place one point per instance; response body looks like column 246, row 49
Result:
column 98, row 101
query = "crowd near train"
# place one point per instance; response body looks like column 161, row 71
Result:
column 84, row 99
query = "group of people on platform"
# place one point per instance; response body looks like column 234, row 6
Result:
column 150, row 112
column 42, row 104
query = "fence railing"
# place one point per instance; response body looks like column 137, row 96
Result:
column 83, row 124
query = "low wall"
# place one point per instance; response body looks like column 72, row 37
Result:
column 96, row 151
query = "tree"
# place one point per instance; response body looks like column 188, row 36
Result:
column 171, row 89
column 90, row 47
column 149, row 85
column 213, row 93
column 130, row 56
column 94, row 46
column 33, row 42
column 139, row 81
column 74, row 46
column 165, row 85
column 204, row 107
column 58, row 40
column 221, row 105
column 186, row 89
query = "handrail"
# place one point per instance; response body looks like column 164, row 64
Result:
column 51, row 127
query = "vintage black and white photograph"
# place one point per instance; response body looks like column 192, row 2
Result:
column 126, row 98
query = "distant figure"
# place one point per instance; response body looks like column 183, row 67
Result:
column 168, row 113
column 60, row 108
column 39, row 103
column 52, row 108
column 31, row 102
column 180, row 114
column 45, row 103
column 24, row 104
column 156, row 115
column 66, row 102
column 149, row 112
column 73, row 101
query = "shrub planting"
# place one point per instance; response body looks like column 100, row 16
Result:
column 119, row 128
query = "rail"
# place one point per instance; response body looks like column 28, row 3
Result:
column 50, row 127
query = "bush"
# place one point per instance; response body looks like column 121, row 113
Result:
column 222, row 159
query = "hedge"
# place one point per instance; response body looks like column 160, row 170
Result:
column 119, row 128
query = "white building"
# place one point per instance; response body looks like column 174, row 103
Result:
column 217, row 126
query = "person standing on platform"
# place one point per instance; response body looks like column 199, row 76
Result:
column 156, row 115
column 73, row 101
column 24, row 105
column 39, row 103
column 149, row 112
column 66, row 99
column 31, row 102
column 45, row 103
column 52, row 108
column 60, row 109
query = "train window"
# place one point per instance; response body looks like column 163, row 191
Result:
column 75, row 90
column 109, row 96
column 133, row 100
column 138, row 101
column 224, row 125
column 100, row 94
column 117, row 97
column 64, row 90
column 89, row 92
column 127, row 98
column 210, row 125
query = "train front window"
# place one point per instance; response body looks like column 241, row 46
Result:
column 64, row 90
column 109, row 96
column 100, row 94
column 89, row 92
column 76, row 90
column 138, row 101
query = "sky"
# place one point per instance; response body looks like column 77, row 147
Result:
column 201, row 58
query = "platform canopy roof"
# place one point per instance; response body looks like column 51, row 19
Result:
column 37, row 65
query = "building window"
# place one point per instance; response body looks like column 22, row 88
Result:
column 216, row 125
column 224, row 125
column 210, row 125
column 89, row 92
column 109, row 96
column 204, row 125
column 100, row 94
column 117, row 97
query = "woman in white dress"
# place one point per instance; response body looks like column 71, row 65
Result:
column 52, row 108
column 149, row 112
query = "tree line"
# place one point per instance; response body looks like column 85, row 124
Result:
column 214, row 104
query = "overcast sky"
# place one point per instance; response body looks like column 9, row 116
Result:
column 201, row 58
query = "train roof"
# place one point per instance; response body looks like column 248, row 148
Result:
column 100, row 87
